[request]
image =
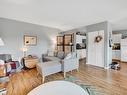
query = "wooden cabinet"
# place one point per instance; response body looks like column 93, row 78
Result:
column 30, row 62
column 60, row 43
column 65, row 43
column 116, row 49
column 59, row 40
column 68, row 43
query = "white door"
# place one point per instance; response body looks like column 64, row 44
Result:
column 96, row 50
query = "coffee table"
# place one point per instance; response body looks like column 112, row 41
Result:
column 58, row 88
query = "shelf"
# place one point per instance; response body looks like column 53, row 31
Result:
column 63, row 43
column 59, row 44
column 68, row 45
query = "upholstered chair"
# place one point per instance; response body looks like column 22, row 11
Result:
column 70, row 62
column 7, row 65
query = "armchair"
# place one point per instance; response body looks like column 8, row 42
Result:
column 7, row 66
column 70, row 62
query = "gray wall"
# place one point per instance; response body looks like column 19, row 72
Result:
column 12, row 33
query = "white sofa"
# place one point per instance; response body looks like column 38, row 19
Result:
column 51, row 56
column 69, row 63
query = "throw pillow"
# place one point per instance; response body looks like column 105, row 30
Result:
column 60, row 55
column 50, row 53
column 68, row 56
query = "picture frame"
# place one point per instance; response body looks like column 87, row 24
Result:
column 30, row 40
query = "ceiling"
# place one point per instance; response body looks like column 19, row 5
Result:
column 66, row 14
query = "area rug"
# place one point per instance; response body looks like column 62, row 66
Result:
column 4, row 79
column 3, row 82
column 3, row 91
column 91, row 90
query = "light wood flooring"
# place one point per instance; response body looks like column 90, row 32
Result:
column 110, row 82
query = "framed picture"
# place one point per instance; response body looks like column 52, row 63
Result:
column 30, row 40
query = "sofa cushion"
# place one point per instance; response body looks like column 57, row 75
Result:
column 68, row 56
column 51, row 58
column 50, row 53
column 60, row 55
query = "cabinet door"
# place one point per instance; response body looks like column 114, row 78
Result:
column 78, row 40
column 68, row 39
column 83, row 53
column 123, row 42
column 59, row 40
column 124, row 53
column 113, row 54
column 67, row 49
column 59, row 48
column 118, row 55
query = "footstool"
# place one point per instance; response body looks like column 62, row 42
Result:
column 48, row 68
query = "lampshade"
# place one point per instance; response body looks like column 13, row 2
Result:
column 24, row 49
column 1, row 42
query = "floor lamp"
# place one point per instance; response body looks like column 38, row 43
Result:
column 24, row 51
column 1, row 42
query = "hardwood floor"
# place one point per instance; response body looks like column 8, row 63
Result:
column 111, row 82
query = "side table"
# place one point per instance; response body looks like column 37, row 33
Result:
column 30, row 62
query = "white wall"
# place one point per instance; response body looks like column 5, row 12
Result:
column 12, row 33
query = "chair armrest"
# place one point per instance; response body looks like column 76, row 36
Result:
column 69, row 64
column 69, row 60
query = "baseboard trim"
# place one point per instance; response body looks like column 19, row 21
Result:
column 107, row 67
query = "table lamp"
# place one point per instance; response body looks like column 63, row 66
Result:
column 24, row 51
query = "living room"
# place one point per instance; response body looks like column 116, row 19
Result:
column 63, row 47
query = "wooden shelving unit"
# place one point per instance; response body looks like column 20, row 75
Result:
column 60, row 43
column 65, row 43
